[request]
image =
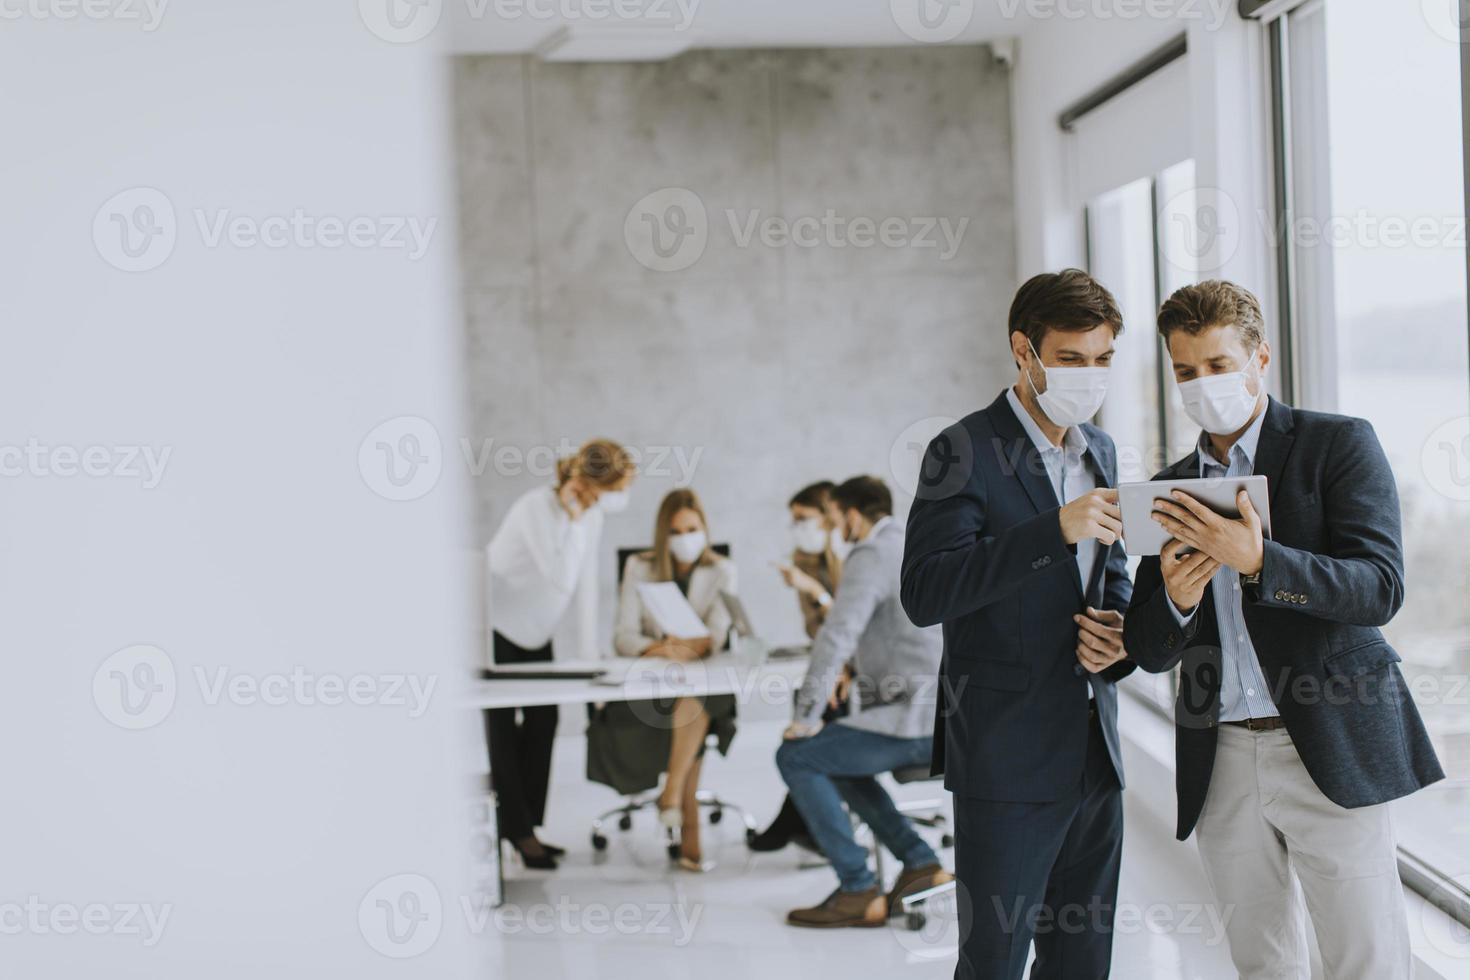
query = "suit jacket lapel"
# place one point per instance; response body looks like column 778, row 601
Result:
column 1274, row 446
column 1019, row 456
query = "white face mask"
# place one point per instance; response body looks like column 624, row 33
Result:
column 809, row 536
column 613, row 501
column 688, row 546
column 841, row 547
column 1073, row 394
column 1220, row 403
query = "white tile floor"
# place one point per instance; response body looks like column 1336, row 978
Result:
column 627, row 913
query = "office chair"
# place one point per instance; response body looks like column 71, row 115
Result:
column 925, row 813
column 648, row 800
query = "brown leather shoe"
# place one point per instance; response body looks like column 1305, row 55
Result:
column 864, row 909
column 913, row 880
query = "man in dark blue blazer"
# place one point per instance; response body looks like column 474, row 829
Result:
column 1013, row 544
column 1293, row 724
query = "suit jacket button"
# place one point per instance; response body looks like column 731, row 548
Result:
column 1171, row 639
column 1077, row 669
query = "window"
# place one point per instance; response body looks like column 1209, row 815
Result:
column 1371, row 260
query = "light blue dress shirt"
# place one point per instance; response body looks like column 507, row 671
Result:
column 1243, row 689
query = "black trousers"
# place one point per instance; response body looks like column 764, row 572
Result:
column 1043, row 872
column 521, row 741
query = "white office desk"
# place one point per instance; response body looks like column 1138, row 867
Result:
column 650, row 677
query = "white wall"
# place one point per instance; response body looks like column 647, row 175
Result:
column 262, row 547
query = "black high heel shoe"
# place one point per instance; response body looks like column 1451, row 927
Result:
column 553, row 850
column 787, row 826
column 545, row 861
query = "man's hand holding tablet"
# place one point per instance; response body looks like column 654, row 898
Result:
column 1235, row 543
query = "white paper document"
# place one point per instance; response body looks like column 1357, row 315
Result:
column 673, row 613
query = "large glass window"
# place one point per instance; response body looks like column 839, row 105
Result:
column 1371, row 200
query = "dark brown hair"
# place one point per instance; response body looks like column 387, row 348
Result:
column 1069, row 300
column 867, row 495
column 814, row 495
column 1213, row 303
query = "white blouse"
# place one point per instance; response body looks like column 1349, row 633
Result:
column 635, row 630
column 541, row 564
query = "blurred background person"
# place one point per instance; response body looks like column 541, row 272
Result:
column 542, row 569
column 813, row 571
column 681, row 554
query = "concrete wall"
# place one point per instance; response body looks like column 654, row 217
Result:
column 737, row 361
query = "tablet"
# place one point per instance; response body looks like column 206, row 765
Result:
column 1142, row 535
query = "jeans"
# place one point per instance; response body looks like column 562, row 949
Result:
column 837, row 765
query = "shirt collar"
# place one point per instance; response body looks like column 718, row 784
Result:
column 1073, row 441
column 1246, row 445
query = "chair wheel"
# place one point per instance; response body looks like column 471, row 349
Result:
column 914, row 920
column 673, row 852
column 750, row 836
column 946, row 840
column 625, row 822
column 716, row 815
column 599, row 842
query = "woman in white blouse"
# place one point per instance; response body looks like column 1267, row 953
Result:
column 681, row 554
column 542, row 569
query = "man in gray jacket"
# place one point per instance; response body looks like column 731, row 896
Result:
column 893, row 666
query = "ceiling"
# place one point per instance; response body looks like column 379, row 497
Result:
column 631, row 30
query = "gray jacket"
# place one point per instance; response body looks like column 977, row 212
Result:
column 896, row 663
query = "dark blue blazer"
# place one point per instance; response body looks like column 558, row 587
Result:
column 1333, row 574
column 984, row 555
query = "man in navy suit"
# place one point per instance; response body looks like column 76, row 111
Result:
column 1293, row 725
column 1013, row 544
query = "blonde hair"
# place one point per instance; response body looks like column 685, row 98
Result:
column 601, row 462
column 658, row 556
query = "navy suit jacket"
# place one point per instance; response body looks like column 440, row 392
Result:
column 984, row 555
column 1333, row 573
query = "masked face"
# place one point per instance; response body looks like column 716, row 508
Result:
column 1073, row 394
column 841, row 547
column 809, row 536
column 1222, row 403
column 687, row 547
column 613, row 501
